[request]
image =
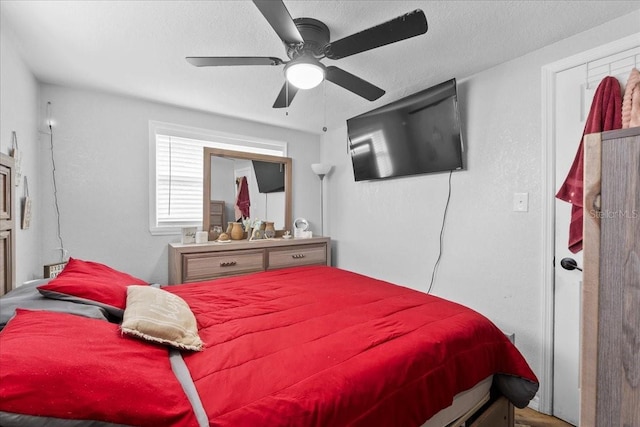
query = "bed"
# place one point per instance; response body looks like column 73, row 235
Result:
column 306, row 346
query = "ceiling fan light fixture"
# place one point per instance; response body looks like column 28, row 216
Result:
column 304, row 73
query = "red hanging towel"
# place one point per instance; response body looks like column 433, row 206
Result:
column 242, row 201
column 605, row 114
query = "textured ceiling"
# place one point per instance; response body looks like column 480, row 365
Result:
column 137, row 48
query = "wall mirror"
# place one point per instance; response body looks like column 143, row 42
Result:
column 269, row 184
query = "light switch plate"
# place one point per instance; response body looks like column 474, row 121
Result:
column 520, row 202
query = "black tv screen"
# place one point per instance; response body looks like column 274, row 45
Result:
column 418, row 134
column 269, row 176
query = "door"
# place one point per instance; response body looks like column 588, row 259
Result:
column 570, row 121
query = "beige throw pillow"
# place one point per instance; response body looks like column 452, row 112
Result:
column 160, row 316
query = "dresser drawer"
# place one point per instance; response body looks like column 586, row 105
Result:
column 296, row 256
column 204, row 266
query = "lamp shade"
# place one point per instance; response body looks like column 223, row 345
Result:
column 304, row 73
column 321, row 169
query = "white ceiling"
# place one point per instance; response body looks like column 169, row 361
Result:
column 137, row 48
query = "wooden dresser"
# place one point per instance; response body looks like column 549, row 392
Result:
column 610, row 353
column 196, row 262
column 7, row 225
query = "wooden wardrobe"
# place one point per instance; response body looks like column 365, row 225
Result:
column 7, row 225
column 610, row 326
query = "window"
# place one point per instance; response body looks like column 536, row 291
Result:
column 175, row 171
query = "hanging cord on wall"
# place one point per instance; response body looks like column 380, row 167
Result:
column 286, row 97
column 55, row 185
column 170, row 173
column 17, row 157
column 444, row 218
column 14, row 140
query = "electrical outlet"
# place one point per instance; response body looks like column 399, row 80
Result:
column 52, row 270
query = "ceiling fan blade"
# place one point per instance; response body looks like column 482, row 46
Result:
column 403, row 27
column 223, row 61
column 353, row 83
column 285, row 96
column 280, row 20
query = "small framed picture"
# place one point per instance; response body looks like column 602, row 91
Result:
column 26, row 207
column 26, row 213
column 189, row 234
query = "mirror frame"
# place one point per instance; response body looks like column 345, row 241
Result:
column 230, row 154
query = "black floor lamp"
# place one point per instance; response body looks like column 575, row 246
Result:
column 321, row 170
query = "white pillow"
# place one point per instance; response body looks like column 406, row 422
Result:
column 160, row 316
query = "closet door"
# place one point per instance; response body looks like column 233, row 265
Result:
column 7, row 225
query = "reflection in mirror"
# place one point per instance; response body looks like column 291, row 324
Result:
column 232, row 178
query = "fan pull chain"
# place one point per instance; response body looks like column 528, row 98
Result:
column 324, row 99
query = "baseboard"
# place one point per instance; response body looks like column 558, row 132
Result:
column 535, row 404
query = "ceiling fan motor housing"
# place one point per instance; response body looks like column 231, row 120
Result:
column 315, row 35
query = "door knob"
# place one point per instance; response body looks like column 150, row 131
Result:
column 569, row 264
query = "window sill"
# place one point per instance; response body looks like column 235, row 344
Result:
column 165, row 231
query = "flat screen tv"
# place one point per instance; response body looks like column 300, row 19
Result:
column 419, row 134
column 269, row 176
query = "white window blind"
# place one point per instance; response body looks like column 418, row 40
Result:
column 178, row 181
column 176, row 174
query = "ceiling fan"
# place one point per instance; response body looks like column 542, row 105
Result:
column 307, row 42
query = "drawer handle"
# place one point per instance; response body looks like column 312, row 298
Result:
column 297, row 256
column 227, row 264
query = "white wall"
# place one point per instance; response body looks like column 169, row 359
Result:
column 387, row 229
column 18, row 112
column 492, row 256
column 102, row 160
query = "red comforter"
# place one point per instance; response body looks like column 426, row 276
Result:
column 310, row 346
column 325, row 347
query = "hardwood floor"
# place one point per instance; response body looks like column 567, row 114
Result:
column 530, row 418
